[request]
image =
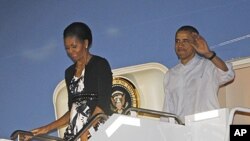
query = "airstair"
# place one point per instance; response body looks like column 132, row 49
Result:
column 147, row 125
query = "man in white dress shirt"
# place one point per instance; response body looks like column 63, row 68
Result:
column 192, row 85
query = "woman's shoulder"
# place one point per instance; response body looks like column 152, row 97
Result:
column 99, row 60
column 100, row 64
column 70, row 69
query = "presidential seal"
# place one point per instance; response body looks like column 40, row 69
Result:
column 124, row 95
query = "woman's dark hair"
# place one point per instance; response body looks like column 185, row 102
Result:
column 188, row 28
column 79, row 30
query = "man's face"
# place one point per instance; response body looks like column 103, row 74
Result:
column 183, row 46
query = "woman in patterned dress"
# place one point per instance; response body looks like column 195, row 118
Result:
column 88, row 81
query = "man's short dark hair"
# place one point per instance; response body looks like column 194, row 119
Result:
column 188, row 28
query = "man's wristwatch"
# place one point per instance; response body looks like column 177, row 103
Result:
column 212, row 57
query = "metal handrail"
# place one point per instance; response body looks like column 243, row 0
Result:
column 15, row 135
column 18, row 133
column 231, row 118
column 154, row 112
column 89, row 124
